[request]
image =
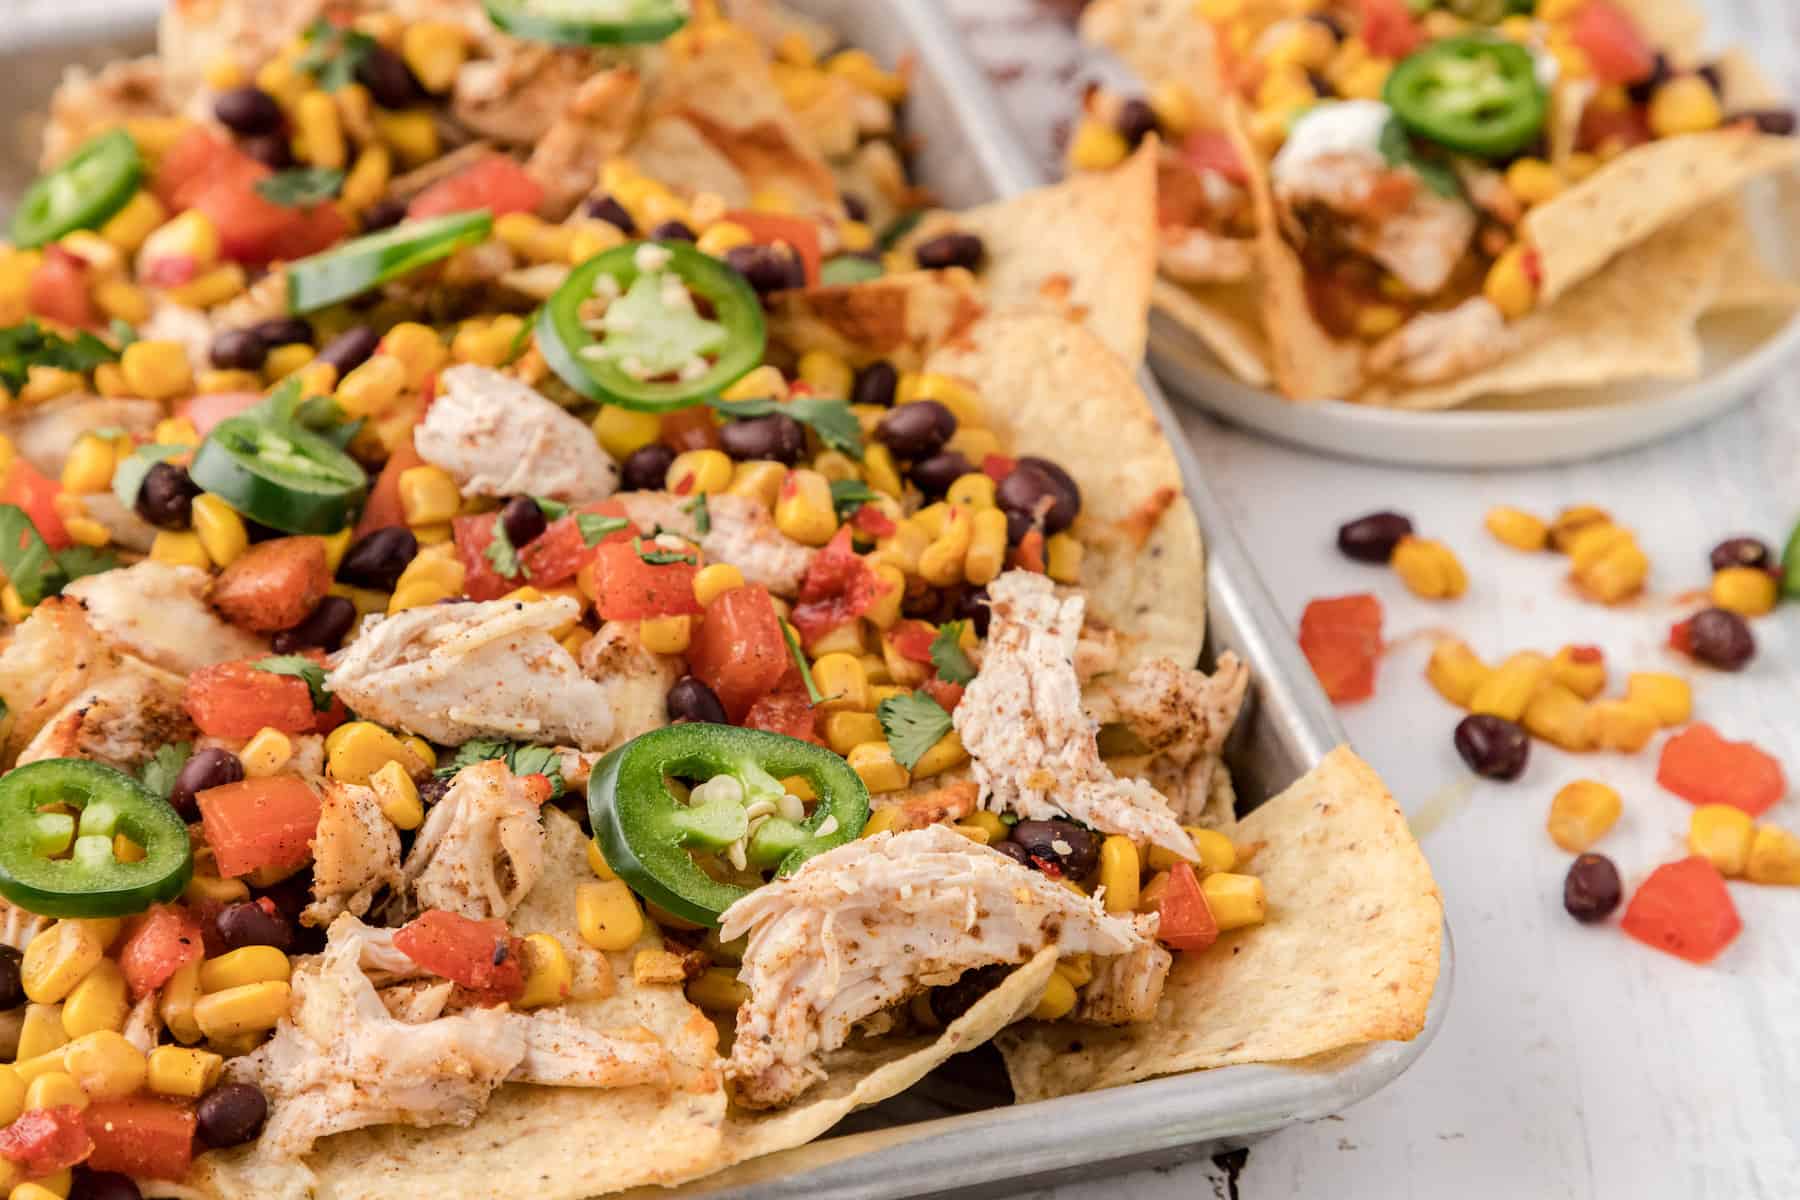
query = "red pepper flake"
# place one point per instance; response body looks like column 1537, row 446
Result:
column 947, row 694
column 912, row 640
column 839, row 587
column 998, row 466
column 873, row 521
column 1684, row 909
column 44, row 1141
column 1702, row 767
column 1029, row 554
column 1341, row 638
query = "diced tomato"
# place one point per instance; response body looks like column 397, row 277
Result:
column 1624, row 127
column 481, row 581
column 496, row 183
column 44, row 1141
column 998, row 466
column 912, row 640
column 255, row 823
column 1028, row 555
column 208, row 410
column 626, row 588
column 1704, row 768
column 158, row 944
column 141, row 1136
column 1388, row 28
column 1615, row 47
column 1341, row 638
column 690, row 429
column 839, row 587
column 481, row 956
column 1685, row 910
column 234, row 700
column 800, row 234
column 1187, row 922
column 872, row 522
column 383, row 508
column 947, row 694
column 256, row 231
column 193, row 162
column 557, row 554
column 273, row 585
column 786, row 711
column 1213, row 150
column 58, row 290
column 1532, row 263
column 36, row 493
column 738, row 651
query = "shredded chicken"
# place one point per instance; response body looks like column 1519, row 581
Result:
column 637, row 682
column 143, row 1024
column 1126, row 988
column 456, row 672
column 1032, row 747
column 342, row 1061
column 87, row 104
column 43, row 434
column 195, row 34
column 515, row 97
column 417, row 1000
column 356, row 853
column 1182, row 717
column 121, row 720
column 1194, row 255
column 499, row 437
column 127, row 530
column 49, row 661
column 159, row 613
column 482, row 847
column 593, row 127
column 741, row 532
column 1436, row 346
column 865, row 925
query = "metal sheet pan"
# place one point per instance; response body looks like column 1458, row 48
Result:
column 955, row 1134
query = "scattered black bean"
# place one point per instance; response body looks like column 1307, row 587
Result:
column 324, row 628
column 283, row 331
column 774, row 436
column 1136, row 121
column 385, row 213
column 674, row 231
column 253, row 923
column 933, row 476
column 88, row 1184
column 691, row 700
column 605, row 208
column 876, row 384
column 230, row 1115
column 1332, row 25
column 390, row 81
column 375, row 560
column 1661, row 71
column 916, row 431
column 166, row 497
column 767, row 268
column 432, row 789
column 270, row 149
column 238, row 350
column 1715, row 79
column 208, row 768
column 1015, row 852
column 523, row 520
column 950, row 250
column 949, row 1003
column 1040, row 489
column 855, row 208
column 248, row 111
column 1720, row 638
column 1494, row 747
column 646, row 469
column 972, row 606
column 1777, row 122
column 1063, row 844
column 1591, row 890
column 1742, row 552
column 1372, row 539
column 350, row 349
column 12, row 985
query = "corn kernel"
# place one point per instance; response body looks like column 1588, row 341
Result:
column 722, row 237
column 320, row 130
column 804, row 510
column 828, row 374
column 374, row 387
column 1508, row 286
column 609, row 915
column 183, row 1073
column 1722, row 835
column 285, row 360
column 843, row 682
column 955, row 395
column 176, row 1007
column 428, row 495
column 412, row 135
column 1429, row 569
column 861, row 69
column 1058, row 1000
column 210, row 889
column 1507, row 691
column 252, row 1008
column 1455, row 671
column 763, row 383
column 354, row 752
column 239, row 968
column 1177, row 112
column 1747, row 591
column 1235, row 900
column 54, row 1089
column 945, row 753
column 1534, row 181
column 398, row 796
column 1517, row 528
column 222, row 533
column 1560, row 717
column 223, row 282
column 41, row 1033
column 884, row 613
column 1119, row 871
column 1684, row 104
column 1668, row 696
column 435, row 51
column 60, row 957
column 548, row 976
column 717, row 989
column 1613, row 575
column 1581, row 669
column 141, row 216
column 1622, row 724
column 1774, row 857
column 652, row 968
column 713, row 581
column 122, row 300
column 105, row 1065
column 597, row 861
column 699, row 473
column 1572, row 521
column 90, row 464
column 666, row 635
column 885, row 819
column 12, row 1095
column 266, row 753
column 1581, row 813
column 622, row 430
column 845, row 731
column 943, row 560
column 1097, row 146
column 1366, row 80
column 157, row 370
column 46, row 1188
column 98, row 1002
column 874, row 762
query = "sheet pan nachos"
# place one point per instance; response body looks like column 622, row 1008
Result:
column 1416, row 203
column 557, row 631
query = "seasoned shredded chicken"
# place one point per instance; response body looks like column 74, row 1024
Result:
column 43, row 434
column 455, row 672
column 741, row 532
column 121, row 720
column 499, row 437
column 482, row 847
column 637, row 681
column 1199, row 256
column 342, row 1061
column 1032, row 746
column 1436, row 346
column 86, row 103
column 864, row 926
column 516, row 96
column 158, row 613
column 49, row 661
column 356, row 852
column 1125, row 988
column 1182, row 717
column 594, row 126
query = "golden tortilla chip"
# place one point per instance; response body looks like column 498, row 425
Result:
column 1227, row 321
column 900, row 318
column 1349, row 953
column 673, row 152
column 1677, row 27
column 1053, row 389
column 1747, row 280
column 1161, row 41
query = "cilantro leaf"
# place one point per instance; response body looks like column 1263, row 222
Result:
column 301, row 187
column 947, row 654
column 333, row 54
column 31, row 345
column 302, row 668
column 324, row 416
column 659, row 557
column 897, row 230
column 159, row 773
column 913, row 724
column 25, row 557
column 696, row 508
column 832, row 420
column 128, row 477
column 1397, row 148
column 848, row 495
column 595, row 526
column 521, row 758
column 504, row 555
column 654, row 330
column 806, row 676
column 78, row 561
column 553, row 510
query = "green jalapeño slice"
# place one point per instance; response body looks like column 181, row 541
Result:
column 589, row 22
column 88, row 187
column 368, row 262
column 284, row 476
column 1474, row 94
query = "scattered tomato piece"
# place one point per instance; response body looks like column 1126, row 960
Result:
column 496, row 183
column 481, row 956
column 787, row 710
column 738, row 651
column 1341, row 638
column 839, row 587
column 158, row 944
column 1615, row 47
column 1702, row 767
column 799, row 233
column 481, row 580
column 254, row 823
column 1684, row 909
column 1388, row 28
column 36, row 493
column 627, row 588
column 235, row 700
column 44, row 1141
column 58, row 290
column 141, row 1136
column 1187, row 921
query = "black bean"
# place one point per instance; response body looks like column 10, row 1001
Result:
column 248, row 111
column 1591, row 890
column 166, row 497
column 1320, row 85
column 1777, row 122
column 916, row 431
column 1714, row 78
column 376, row 559
column 230, row 1115
column 1018, row 524
column 1742, row 552
column 324, row 628
column 972, row 606
column 949, row 1003
column 523, row 520
column 767, row 268
column 283, row 331
column 1720, row 638
column 1136, row 121
column 774, row 436
column 933, row 476
column 270, row 149
column 1494, row 747
column 674, row 231
column 432, row 789
column 253, row 923
column 855, row 208
column 1063, row 844
column 691, row 700
column 390, row 81
column 876, row 384
column 1372, row 539
column 1041, row 489
column 950, row 250
column 1661, row 71
column 238, row 350
column 385, row 213
column 646, row 469
column 208, row 768
column 1332, row 25
column 88, row 1184
column 350, row 349
column 12, row 986
column 605, row 208
column 1015, row 852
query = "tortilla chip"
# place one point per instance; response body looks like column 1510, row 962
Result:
column 1226, row 320
column 900, row 318
column 1349, row 953
column 671, row 150
column 1103, row 229
column 1677, row 27
column 1053, row 389
column 1161, row 41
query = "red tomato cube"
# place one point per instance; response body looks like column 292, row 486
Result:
column 1685, row 910
column 558, row 554
column 58, row 290
column 627, row 588
column 839, row 587
column 1703, row 768
column 235, row 700
column 158, row 944
column 1341, row 638
column 496, row 183
column 1389, row 29
column 478, row 955
column 257, row 823
column 44, row 1141
column 141, row 1136
column 1187, row 921
column 738, row 651
column 786, row 711
column 1615, row 47
column 36, row 493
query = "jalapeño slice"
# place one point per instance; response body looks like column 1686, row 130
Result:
column 1474, row 94
column 60, row 863
column 279, row 474
column 589, row 22
column 648, row 835
column 88, row 187
column 368, row 262
column 635, row 364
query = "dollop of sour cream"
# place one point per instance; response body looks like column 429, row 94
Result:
column 1339, row 127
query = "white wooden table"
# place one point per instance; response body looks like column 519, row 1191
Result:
column 1574, row 1062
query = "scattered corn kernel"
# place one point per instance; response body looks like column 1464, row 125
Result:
column 1581, row 669
column 945, row 753
column 1747, row 591
column 54, row 1089
column 41, row 1033
column 249, row 1009
column 609, row 916
column 60, row 957
column 548, row 976
column 700, row 473
column 1455, row 671
column 1429, row 569
column 874, row 762
column 1560, row 717
column 1517, row 528
column 1573, row 520
column 157, row 370
column 1774, row 857
column 355, row 751
column 1119, row 871
column 435, row 51
column 1684, row 104
column 1581, row 813
column 105, row 1065
column 1668, row 696
column 266, row 753
column 1097, row 146
column 1608, row 569
column 1534, row 181
column 1509, row 286
column 242, row 967
column 666, row 635
column 1059, row 997
column 181, row 1072
column 428, row 495
column 1721, row 834
column 804, row 510
column 1507, row 691
column 1622, row 724
column 717, row 990
column 1235, row 900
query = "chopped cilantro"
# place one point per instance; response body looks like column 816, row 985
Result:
column 304, row 669
column 806, row 676
column 1399, row 151
column 504, row 555
column 696, row 508
column 159, row 773
column 36, row 571
column 661, row 558
column 78, row 561
column 594, row 526
column 521, row 758
column 31, row 345
column 832, row 420
column 553, row 510
column 333, row 54
column 897, row 229
column 913, row 724
column 953, row 665
column 848, row 495
column 301, row 187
